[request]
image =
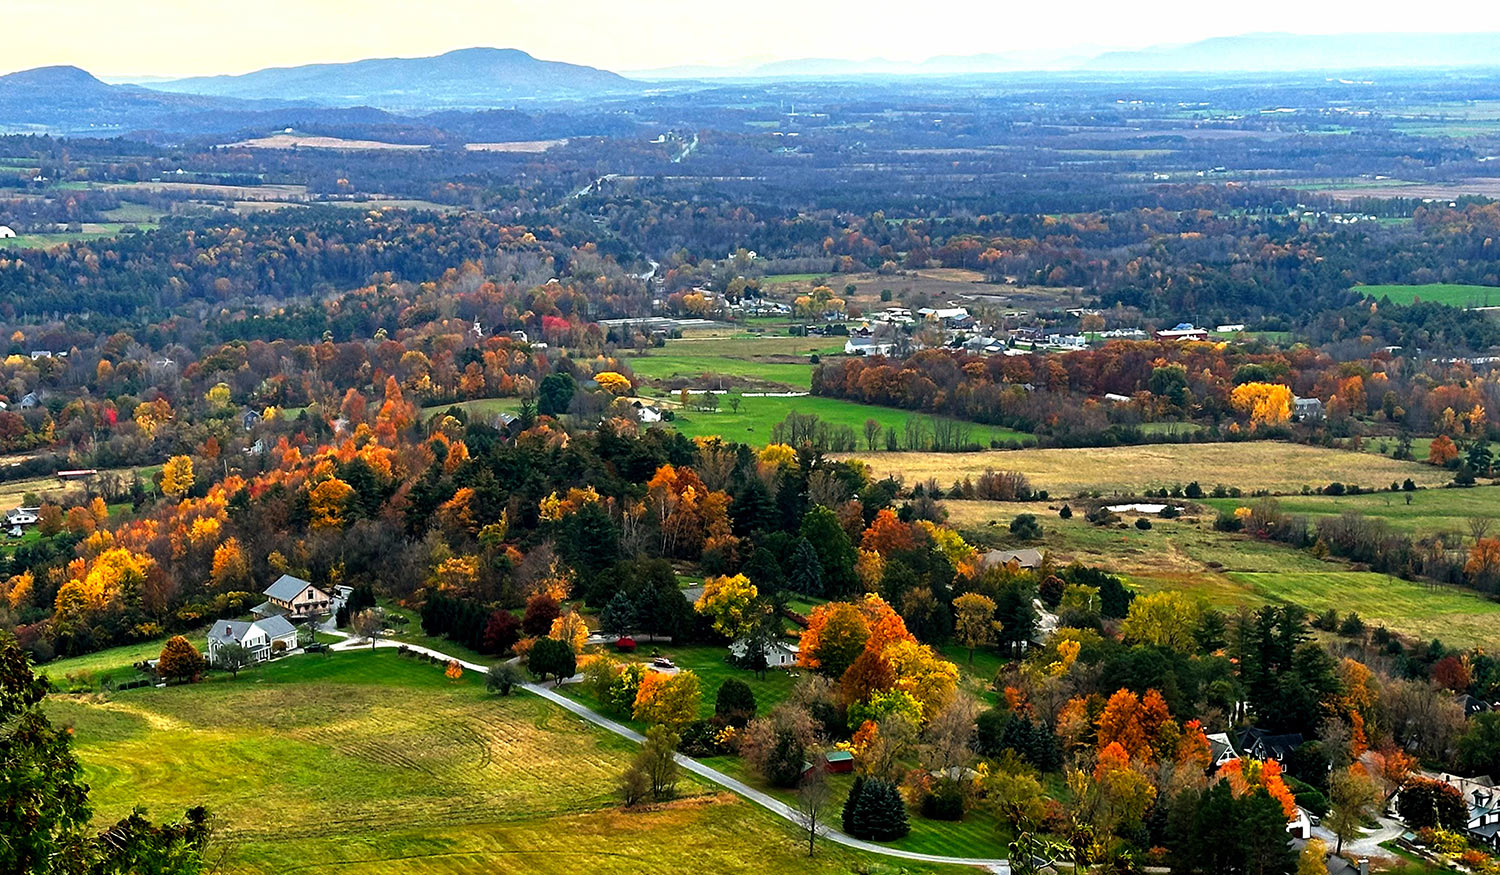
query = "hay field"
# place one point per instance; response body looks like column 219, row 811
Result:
column 367, row 762
column 306, row 141
column 1251, row 465
column 522, row 146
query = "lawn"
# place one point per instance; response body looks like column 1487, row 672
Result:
column 1250, row 465
column 710, row 664
column 483, row 408
column 113, row 662
column 369, row 762
column 702, row 369
column 1431, row 511
column 756, row 417
column 975, row 836
column 1452, row 294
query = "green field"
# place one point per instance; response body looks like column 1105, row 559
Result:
column 701, row 368
column 1232, row 570
column 1432, row 511
column 1457, row 616
column 370, row 763
column 756, row 416
column 1452, row 294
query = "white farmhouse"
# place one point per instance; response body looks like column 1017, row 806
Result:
column 264, row 639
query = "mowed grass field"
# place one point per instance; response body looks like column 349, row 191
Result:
column 782, row 361
column 1452, row 294
column 756, row 417
column 1432, row 511
column 1231, row 570
column 1250, row 465
column 371, row 763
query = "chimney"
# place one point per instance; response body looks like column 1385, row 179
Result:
column 1364, row 867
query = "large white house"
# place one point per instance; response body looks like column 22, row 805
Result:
column 779, row 654
column 294, row 596
column 264, row 639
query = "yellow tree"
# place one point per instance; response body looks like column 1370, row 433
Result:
column 612, row 382
column 974, row 621
column 326, row 503
column 570, row 628
column 1264, row 403
column 1163, row 619
column 730, row 601
column 454, row 671
column 671, row 700
column 931, row 680
column 177, row 476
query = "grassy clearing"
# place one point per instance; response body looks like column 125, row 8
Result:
column 367, row 763
column 1452, row 294
column 482, row 407
column 756, row 417
column 1431, row 511
column 1250, row 465
column 700, row 369
column 1229, row 571
column 712, row 668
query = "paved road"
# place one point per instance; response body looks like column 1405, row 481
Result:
column 764, row 800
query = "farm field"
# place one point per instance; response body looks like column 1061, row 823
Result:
column 1452, row 294
column 937, row 285
column 1250, row 465
column 375, row 762
column 1229, row 570
column 1432, row 511
column 756, row 417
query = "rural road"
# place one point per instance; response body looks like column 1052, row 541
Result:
column 764, row 800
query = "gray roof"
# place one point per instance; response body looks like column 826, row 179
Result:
column 234, row 631
column 287, row 587
column 228, row 631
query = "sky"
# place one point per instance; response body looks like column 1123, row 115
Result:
column 201, row 37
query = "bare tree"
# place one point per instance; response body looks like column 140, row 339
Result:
column 812, row 800
column 1479, row 527
column 367, row 624
column 872, row 434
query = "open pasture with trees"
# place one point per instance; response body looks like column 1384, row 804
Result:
column 1230, row 570
column 357, row 762
column 1422, row 512
column 1273, row 466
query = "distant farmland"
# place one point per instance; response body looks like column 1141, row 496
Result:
column 1452, row 294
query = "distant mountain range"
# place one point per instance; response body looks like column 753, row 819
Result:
column 1268, row 52
column 71, row 101
column 469, row 78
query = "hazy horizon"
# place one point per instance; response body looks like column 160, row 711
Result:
column 179, row 38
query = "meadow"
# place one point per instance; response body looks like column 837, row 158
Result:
column 1249, row 465
column 1431, row 511
column 1452, row 294
column 757, row 416
column 1232, row 570
column 369, row 762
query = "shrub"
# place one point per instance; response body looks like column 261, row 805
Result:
column 502, row 678
column 1066, row 512
column 735, row 702
column 1143, row 524
column 945, row 802
column 1025, row 527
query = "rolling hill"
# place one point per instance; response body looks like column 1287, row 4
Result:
column 470, row 78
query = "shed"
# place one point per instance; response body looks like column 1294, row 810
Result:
column 839, row 762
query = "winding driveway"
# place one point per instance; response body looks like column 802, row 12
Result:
column 764, row 800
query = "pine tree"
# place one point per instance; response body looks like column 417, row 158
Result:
column 852, row 817
column 885, row 811
column 619, row 616
column 806, row 570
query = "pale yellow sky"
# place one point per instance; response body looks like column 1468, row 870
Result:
column 193, row 37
